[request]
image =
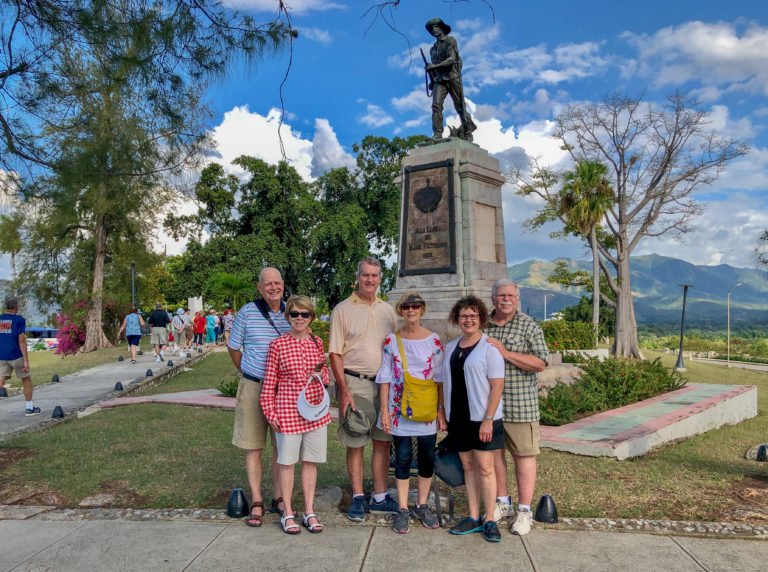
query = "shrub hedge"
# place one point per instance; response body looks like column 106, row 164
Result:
column 562, row 335
column 604, row 385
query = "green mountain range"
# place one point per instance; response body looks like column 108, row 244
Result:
column 656, row 291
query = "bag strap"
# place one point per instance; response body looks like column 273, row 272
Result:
column 262, row 306
column 402, row 351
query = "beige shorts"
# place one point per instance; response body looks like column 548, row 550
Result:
column 311, row 446
column 158, row 337
column 7, row 367
column 522, row 439
column 250, row 430
column 370, row 391
column 180, row 335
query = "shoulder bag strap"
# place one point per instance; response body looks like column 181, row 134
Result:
column 262, row 306
column 402, row 351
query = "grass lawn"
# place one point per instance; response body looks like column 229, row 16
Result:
column 173, row 456
column 43, row 364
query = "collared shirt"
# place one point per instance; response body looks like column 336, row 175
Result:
column 358, row 331
column 521, row 388
column 252, row 333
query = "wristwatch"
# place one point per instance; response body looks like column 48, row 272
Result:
column 489, row 418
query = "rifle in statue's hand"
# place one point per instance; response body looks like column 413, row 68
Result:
column 429, row 79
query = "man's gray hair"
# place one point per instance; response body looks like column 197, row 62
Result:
column 11, row 303
column 263, row 270
column 371, row 261
column 504, row 282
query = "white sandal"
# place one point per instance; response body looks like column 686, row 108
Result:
column 313, row 528
column 291, row 529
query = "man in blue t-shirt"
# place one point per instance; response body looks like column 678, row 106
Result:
column 13, row 351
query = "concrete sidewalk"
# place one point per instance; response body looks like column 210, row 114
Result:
column 105, row 545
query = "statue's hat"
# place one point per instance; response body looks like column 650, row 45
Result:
column 437, row 22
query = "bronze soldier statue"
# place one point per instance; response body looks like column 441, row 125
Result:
column 445, row 79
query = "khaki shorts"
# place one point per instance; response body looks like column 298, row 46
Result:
column 180, row 335
column 159, row 337
column 370, row 391
column 250, row 431
column 7, row 367
column 522, row 439
column 311, row 446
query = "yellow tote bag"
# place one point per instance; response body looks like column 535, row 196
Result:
column 419, row 395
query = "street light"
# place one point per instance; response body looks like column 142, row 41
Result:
column 679, row 365
column 729, row 322
column 545, row 305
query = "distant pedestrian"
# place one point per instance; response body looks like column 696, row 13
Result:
column 199, row 324
column 158, row 322
column 13, row 351
column 210, row 329
column 189, row 329
column 226, row 322
column 216, row 326
column 179, row 330
column 132, row 324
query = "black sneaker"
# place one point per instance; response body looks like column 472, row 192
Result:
column 401, row 521
column 32, row 411
column 426, row 517
column 387, row 506
column 467, row 526
column 491, row 531
column 356, row 512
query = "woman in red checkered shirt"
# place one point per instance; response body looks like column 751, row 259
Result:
column 291, row 360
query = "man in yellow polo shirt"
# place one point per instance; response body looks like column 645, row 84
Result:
column 359, row 326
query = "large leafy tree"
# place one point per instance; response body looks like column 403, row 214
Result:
column 657, row 156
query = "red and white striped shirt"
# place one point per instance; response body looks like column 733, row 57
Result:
column 290, row 362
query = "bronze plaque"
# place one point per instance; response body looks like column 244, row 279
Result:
column 428, row 243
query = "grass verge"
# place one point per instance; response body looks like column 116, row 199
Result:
column 44, row 364
column 174, row 456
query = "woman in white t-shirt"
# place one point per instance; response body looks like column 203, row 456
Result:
column 419, row 352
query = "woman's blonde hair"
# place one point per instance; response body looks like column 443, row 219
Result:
column 411, row 297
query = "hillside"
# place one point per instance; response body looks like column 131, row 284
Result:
column 657, row 293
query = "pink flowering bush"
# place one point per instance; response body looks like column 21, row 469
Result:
column 71, row 334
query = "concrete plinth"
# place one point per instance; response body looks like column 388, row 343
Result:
column 460, row 227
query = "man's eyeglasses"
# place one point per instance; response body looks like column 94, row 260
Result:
column 304, row 315
column 414, row 306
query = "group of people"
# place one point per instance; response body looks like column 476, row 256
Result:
column 394, row 385
column 176, row 332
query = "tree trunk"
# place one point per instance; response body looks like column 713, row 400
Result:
column 13, row 272
column 625, row 343
column 595, row 283
column 94, row 333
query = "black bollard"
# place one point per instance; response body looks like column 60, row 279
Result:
column 199, row 350
column 189, row 355
column 58, row 412
column 55, row 378
column 170, row 363
column 118, row 386
column 3, row 392
column 141, row 353
column 120, row 358
column 149, row 373
column 237, row 507
column 762, row 453
column 546, row 511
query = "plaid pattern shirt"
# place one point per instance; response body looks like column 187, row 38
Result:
column 521, row 388
column 290, row 362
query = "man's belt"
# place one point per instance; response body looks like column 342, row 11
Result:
column 252, row 378
column 360, row 375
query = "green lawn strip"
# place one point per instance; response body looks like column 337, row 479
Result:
column 177, row 456
column 206, row 374
column 43, row 364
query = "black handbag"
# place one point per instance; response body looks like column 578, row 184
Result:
column 448, row 465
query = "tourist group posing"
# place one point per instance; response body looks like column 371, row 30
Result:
column 394, row 384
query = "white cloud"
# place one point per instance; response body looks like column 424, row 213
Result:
column 375, row 116
column 316, row 34
column 713, row 54
column 415, row 100
column 327, row 153
column 295, row 6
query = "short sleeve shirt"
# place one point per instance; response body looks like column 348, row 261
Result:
column 11, row 327
column 252, row 334
column 521, row 388
column 358, row 331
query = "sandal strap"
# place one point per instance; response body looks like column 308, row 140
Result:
column 308, row 516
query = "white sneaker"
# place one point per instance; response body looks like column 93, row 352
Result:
column 522, row 523
column 158, row 359
column 501, row 510
column 162, row 356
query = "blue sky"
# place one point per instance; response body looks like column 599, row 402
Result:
column 352, row 76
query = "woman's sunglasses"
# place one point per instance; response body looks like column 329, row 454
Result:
column 304, row 315
column 414, row 306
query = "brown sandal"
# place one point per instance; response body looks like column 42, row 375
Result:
column 255, row 519
column 276, row 506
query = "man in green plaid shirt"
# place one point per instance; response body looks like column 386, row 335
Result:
column 520, row 341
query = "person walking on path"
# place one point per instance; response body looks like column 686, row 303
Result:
column 257, row 324
column 179, row 330
column 226, row 322
column 520, row 341
column 210, row 329
column 199, row 328
column 359, row 326
column 132, row 324
column 412, row 353
column 296, row 365
column 189, row 329
column 13, row 352
column 158, row 322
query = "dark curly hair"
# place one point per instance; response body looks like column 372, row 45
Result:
column 472, row 302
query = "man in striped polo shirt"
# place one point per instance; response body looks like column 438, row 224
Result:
column 359, row 326
column 256, row 325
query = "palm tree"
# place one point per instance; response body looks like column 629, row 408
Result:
column 227, row 286
column 584, row 199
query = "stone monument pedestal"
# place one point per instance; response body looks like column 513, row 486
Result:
column 451, row 228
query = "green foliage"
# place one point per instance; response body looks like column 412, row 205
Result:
column 582, row 312
column 321, row 330
column 225, row 289
column 39, row 346
column 228, row 386
column 604, row 385
column 563, row 335
column 697, row 342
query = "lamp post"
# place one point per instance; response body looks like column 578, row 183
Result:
column 133, row 284
column 545, row 305
column 679, row 365
column 729, row 322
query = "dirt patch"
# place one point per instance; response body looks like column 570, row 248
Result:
column 123, row 496
column 11, row 455
column 751, row 496
column 13, row 492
